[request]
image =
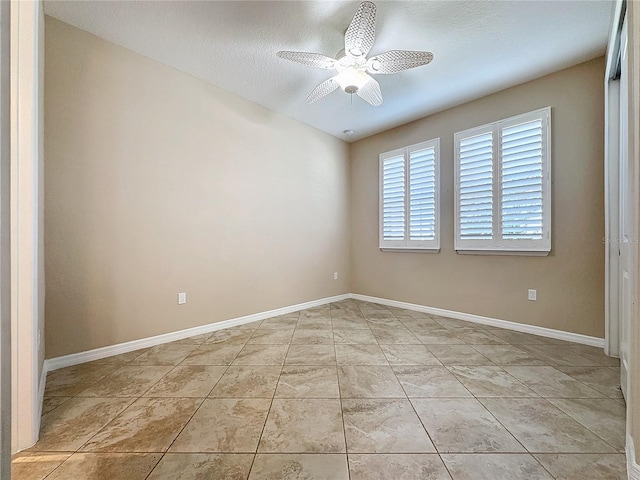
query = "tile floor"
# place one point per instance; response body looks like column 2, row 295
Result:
column 351, row 390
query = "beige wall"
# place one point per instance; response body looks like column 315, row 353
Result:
column 159, row 183
column 570, row 281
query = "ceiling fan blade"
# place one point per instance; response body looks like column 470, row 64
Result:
column 324, row 89
column 316, row 60
column 361, row 33
column 395, row 61
column 370, row 92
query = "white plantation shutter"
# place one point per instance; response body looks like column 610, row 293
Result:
column 476, row 186
column 393, row 182
column 409, row 197
column 503, row 197
column 422, row 194
column 521, row 182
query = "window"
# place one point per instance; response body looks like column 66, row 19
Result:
column 409, row 197
column 503, row 186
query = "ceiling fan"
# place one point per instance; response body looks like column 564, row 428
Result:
column 352, row 64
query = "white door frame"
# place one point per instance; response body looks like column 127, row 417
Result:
column 612, row 186
column 27, row 292
column 5, row 246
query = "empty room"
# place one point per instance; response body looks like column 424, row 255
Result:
column 332, row 240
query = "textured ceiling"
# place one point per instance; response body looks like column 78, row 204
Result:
column 479, row 47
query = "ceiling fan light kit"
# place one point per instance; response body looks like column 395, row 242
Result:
column 352, row 64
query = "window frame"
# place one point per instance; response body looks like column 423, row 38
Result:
column 406, row 244
column 496, row 245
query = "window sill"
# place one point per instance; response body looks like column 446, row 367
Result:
column 410, row 250
column 522, row 253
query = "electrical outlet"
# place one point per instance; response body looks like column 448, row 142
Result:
column 335, row 275
column 182, row 298
column 533, row 294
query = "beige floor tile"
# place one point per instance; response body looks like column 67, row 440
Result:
column 454, row 323
column 384, row 426
column 70, row 425
column 281, row 322
column 467, row 427
column 372, row 306
column 231, row 425
column 193, row 340
column 35, row 466
column 202, row 466
column 352, row 335
column 374, row 315
column 519, row 338
column 218, row 434
column 384, row 322
column 418, row 324
column 397, row 467
column 69, row 381
column 405, row 313
column 347, row 314
column 437, row 336
column 490, row 382
column 262, row 355
column 582, row 467
column 542, row 427
column 315, row 312
column 148, row 425
column 187, row 381
column 270, row 337
column 213, row 354
column 495, row 466
column 51, row 403
column 507, row 355
column 230, row 336
column 248, row 325
column 127, row 381
column 309, row 336
column 311, row 355
column 369, row 381
column 356, row 323
column 308, row 381
column 429, row 381
column 122, row 358
column 459, row 355
column 409, row 355
column 303, row 426
column 549, row 382
column 300, row 467
column 359, row 354
column 167, row 354
column 317, row 323
column 394, row 335
column 602, row 379
column 603, row 416
column 595, row 354
column 248, row 381
column 552, row 355
column 106, row 466
column 479, row 337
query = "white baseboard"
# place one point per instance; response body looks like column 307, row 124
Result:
column 111, row 350
column 633, row 469
column 493, row 322
column 41, row 387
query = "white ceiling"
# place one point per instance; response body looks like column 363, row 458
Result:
column 479, row 47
